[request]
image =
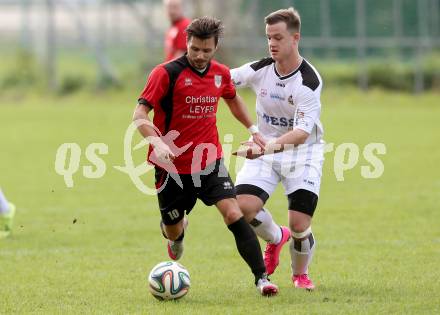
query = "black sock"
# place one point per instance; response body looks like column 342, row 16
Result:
column 248, row 247
column 180, row 238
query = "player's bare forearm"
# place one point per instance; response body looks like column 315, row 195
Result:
column 287, row 141
column 292, row 138
column 239, row 110
column 143, row 122
column 146, row 128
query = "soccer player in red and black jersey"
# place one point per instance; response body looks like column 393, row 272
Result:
column 185, row 147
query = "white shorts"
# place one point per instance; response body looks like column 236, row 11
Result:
column 295, row 169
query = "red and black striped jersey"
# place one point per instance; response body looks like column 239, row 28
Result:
column 186, row 100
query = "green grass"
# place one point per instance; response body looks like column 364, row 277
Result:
column 378, row 239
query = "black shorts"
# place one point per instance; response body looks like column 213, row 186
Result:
column 210, row 188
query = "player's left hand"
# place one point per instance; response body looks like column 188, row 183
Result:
column 259, row 140
column 249, row 149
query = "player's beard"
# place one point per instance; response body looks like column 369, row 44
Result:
column 200, row 65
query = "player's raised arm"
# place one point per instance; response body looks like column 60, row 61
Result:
column 153, row 92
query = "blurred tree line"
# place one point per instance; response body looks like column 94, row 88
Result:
column 392, row 44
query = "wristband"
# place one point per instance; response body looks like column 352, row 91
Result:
column 253, row 129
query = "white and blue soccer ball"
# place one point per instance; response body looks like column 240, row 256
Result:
column 169, row 280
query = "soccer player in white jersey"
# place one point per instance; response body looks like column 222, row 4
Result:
column 7, row 213
column 288, row 108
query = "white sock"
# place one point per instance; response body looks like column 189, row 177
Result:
column 4, row 204
column 301, row 252
column 265, row 227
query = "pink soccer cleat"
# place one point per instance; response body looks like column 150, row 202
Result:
column 272, row 252
column 303, row 282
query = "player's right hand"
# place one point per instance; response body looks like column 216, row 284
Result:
column 161, row 150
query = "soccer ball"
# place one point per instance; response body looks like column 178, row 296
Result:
column 169, row 280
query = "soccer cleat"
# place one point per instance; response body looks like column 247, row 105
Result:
column 265, row 287
column 175, row 249
column 272, row 251
column 303, row 282
column 6, row 221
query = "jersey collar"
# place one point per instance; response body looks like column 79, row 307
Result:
column 200, row 74
column 291, row 73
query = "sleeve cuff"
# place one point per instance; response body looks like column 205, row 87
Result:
column 305, row 129
column 230, row 98
column 143, row 101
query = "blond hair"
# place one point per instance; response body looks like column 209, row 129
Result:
column 289, row 16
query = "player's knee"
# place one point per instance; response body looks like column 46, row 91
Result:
column 247, row 207
column 300, row 232
column 232, row 215
column 299, row 222
column 298, row 228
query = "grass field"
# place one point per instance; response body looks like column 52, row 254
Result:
column 89, row 248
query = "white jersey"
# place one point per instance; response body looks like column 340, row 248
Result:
column 284, row 102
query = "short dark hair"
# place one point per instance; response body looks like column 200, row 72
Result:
column 289, row 16
column 204, row 28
